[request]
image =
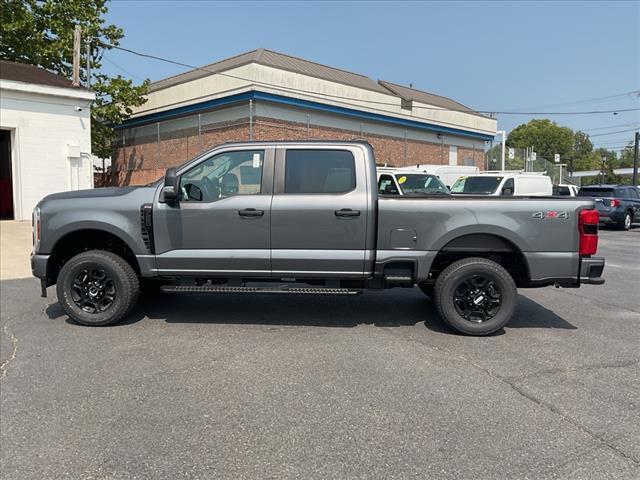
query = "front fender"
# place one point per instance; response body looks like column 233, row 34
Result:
column 60, row 224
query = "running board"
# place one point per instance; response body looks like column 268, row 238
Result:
column 285, row 290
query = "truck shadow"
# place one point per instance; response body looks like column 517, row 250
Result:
column 393, row 308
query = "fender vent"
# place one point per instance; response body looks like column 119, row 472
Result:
column 146, row 226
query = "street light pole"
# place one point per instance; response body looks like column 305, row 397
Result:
column 635, row 159
column 504, row 139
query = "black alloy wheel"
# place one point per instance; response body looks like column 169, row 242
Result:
column 477, row 299
column 93, row 290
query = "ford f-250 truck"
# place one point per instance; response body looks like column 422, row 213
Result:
column 306, row 218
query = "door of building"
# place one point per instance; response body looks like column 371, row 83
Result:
column 6, row 181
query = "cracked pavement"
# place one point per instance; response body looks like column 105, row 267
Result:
column 265, row 387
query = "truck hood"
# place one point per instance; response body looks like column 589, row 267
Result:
column 93, row 193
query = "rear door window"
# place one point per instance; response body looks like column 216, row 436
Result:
column 319, row 171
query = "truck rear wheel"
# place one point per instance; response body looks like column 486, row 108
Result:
column 475, row 296
column 97, row 288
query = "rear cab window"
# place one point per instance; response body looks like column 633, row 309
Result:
column 319, row 172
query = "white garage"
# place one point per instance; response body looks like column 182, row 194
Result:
column 45, row 137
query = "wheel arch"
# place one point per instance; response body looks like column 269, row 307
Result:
column 79, row 240
column 485, row 245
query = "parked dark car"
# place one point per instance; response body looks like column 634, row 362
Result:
column 618, row 205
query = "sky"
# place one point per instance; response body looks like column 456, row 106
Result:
column 493, row 56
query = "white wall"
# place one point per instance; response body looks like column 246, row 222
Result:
column 44, row 121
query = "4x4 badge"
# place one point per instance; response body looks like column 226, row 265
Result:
column 551, row 214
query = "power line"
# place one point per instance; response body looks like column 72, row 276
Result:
column 613, row 133
column 122, row 69
column 589, row 100
column 321, row 96
column 607, row 128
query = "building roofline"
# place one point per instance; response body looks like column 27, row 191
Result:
column 395, row 88
column 296, row 102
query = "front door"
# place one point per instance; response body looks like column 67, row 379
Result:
column 220, row 226
column 319, row 213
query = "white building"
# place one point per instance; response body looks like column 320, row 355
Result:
column 45, row 137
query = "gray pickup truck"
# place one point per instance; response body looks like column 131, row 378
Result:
column 306, row 218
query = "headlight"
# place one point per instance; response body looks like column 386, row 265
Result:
column 35, row 224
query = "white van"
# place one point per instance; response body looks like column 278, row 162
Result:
column 504, row 183
column 448, row 174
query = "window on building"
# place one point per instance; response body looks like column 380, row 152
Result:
column 468, row 162
column 319, row 171
column 223, row 175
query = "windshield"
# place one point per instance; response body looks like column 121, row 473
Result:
column 484, row 185
column 420, row 184
column 595, row 192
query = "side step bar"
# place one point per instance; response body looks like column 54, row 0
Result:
column 285, row 290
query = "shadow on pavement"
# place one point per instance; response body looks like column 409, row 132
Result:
column 386, row 309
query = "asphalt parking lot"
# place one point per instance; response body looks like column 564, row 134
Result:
column 302, row 387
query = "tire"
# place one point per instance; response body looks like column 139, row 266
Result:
column 626, row 222
column 427, row 289
column 495, row 296
column 97, row 288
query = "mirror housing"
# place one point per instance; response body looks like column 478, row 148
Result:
column 507, row 191
column 171, row 185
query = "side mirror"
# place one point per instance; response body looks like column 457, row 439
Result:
column 171, row 187
column 507, row 191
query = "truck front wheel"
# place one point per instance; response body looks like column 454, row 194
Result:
column 475, row 296
column 97, row 288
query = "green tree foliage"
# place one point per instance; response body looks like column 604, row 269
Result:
column 41, row 33
column 546, row 137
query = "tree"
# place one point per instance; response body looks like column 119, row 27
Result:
column 546, row 137
column 41, row 33
column 581, row 156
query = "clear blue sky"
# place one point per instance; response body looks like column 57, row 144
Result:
column 488, row 55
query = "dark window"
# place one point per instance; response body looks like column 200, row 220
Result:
column 633, row 193
column 509, row 184
column 319, row 171
column 561, row 190
column 482, row 185
column 386, row 185
column 595, row 192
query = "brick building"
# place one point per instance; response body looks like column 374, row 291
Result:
column 265, row 95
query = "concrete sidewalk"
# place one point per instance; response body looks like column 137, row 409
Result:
column 15, row 248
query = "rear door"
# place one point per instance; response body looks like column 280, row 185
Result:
column 319, row 212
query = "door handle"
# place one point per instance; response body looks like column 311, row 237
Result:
column 250, row 212
column 347, row 212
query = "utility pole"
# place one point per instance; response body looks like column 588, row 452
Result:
column 604, row 159
column 88, row 64
column 76, row 56
column 503, row 133
column 635, row 160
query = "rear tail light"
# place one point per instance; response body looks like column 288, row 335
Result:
column 615, row 203
column 588, row 227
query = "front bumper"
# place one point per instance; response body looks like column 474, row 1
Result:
column 39, row 265
column 591, row 270
column 39, row 270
